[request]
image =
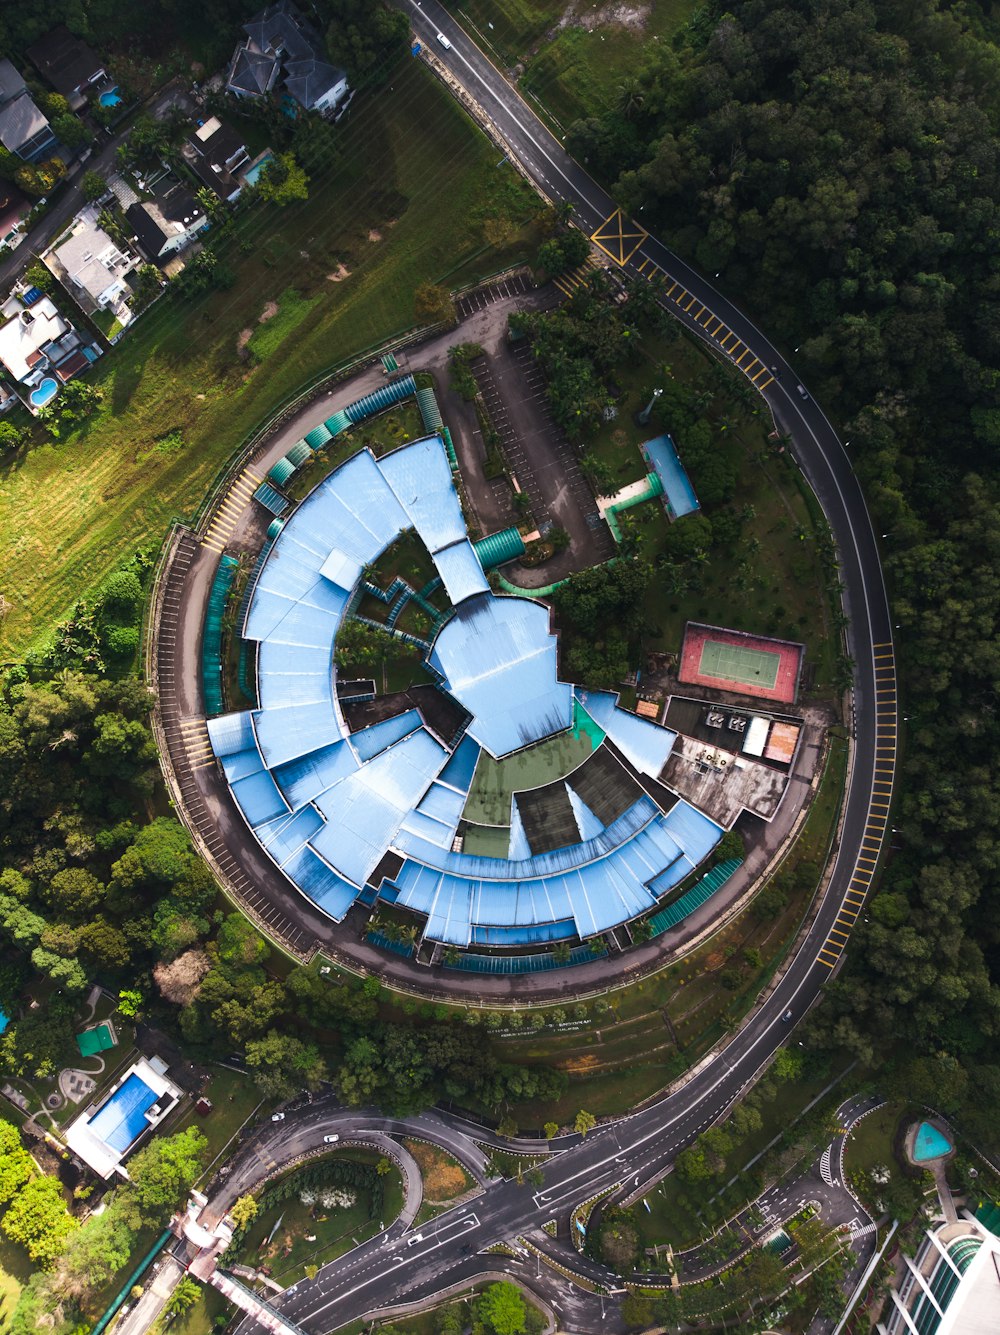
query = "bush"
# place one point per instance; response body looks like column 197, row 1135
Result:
column 123, row 641
column 122, row 591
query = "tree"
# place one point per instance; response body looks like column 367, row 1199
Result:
column 243, row 1212
column 185, row 1295
column 162, row 1175
column 432, row 304
column 12, row 437
column 282, row 180
column 147, row 284
column 368, row 39
column 130, row 1003
column 551, row 1130
column 38, row 1220
column 584, row 1122
column 637, row 1312
column 502, row 1308
column 180, row 980
column 93, row 185
column 283, row 1064
column 16, row 1166
column 70, row 130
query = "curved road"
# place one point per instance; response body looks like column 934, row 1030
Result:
column 639, row 1148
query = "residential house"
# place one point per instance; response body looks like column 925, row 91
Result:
column 39, row 348
column 216, row 153
column 23, row 128
column 14, row 208
column 93, row 267
column 165, row 226
column 68, row 64
column 282, row 51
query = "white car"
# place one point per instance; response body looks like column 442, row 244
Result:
column 445, row 42
column 277, row 1117
column 330, row 1140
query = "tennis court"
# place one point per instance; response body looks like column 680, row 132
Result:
column 731, row 662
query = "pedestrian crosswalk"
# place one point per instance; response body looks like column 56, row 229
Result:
column 197, row 747
column 876, row 824
column 230, row 510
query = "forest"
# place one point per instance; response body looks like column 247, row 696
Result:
column 837, row 163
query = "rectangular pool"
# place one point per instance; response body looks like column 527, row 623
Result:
column 122, row 1118
column 661, row 454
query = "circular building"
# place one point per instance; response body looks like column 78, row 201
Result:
column 398, row 799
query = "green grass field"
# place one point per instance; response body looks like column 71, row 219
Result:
column 569, row 71
column 406, row 201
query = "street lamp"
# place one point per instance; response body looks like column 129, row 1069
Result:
column 643, row 417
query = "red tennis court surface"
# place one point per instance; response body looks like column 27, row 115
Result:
column 786, row 679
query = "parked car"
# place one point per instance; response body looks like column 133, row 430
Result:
column 277, row 1117
column 330, row 1140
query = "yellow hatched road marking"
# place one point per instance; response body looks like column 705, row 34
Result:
column 670, row 290
column 695, row 315
column 827, row 963
column 726, row 340
column 835, row 931
column 689, row 305
column 708, row 316
column 746, row 353
column 643, row 265
column 768, row 381
column 718, row 325
column 733, row 351
column 683, row 293
column 762, row 371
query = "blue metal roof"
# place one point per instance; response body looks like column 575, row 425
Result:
column 498, row 658
column 326, row 805
column 460, row 571
column 643, row 743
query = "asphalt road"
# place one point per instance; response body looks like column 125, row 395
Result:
column 637, row 1149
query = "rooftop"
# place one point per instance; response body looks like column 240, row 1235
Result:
column 26, row 332
column 66, row 62
column 104, row 1134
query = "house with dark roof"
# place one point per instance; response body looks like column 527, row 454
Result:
column 215, row 152
column 164, row 226
column 283, row 52
column 23, row 128
column 68, row 64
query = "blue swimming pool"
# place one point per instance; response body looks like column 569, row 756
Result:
column 4, row 1021
column 123, row 1117
column 930, row 1143
column 662, row 456
column 253, row 175
column 41, row 394
column 111, row 98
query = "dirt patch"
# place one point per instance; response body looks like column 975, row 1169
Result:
column 242, row 339
column 579, row 1065
column 616, row 14
column 268, row 313
column 714, row 961
column 374, row 234
column 443, row 1177
column 339, row 274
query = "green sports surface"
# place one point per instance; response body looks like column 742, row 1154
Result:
column 730, row 662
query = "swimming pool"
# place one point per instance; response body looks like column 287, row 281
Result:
column 122, row 1118
column 111, row 98
column 662, row 455
column 253, row 175
column 4, row 1021
column 41, row 394
column 930, row 1143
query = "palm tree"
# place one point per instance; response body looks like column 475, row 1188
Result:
column 630, row 97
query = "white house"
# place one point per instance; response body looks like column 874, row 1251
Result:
column 282, row 50
column 39, row 348
column 93, row 266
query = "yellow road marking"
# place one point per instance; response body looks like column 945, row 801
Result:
column 670, row 290
column 719, row 325
column 619, row 237
column 768, row 381
column 746, row 354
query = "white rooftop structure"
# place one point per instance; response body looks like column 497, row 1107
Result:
column 107, row 1132
column 27, row 331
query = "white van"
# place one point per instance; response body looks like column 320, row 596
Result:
column 445, row 42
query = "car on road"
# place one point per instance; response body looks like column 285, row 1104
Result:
column 445, row 42
column 803, row 391
column 787, row 1017
column 277, row 1117
column 330, row 1140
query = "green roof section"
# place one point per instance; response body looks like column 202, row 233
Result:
column 498, row 548
column 450, row 447
column 211, row 642
column 299, row 453
column 695, row 897
column 338, row 422
column 281, row 471
column 318, row 436
column 429, row 410
column 270, row 499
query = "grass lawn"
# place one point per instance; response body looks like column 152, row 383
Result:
column 234, row 1097
column 573, row 72
column 314, row 1235
column 407, row 200
column 444, row 1177
column 871, row 1141
column 15, row 1271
